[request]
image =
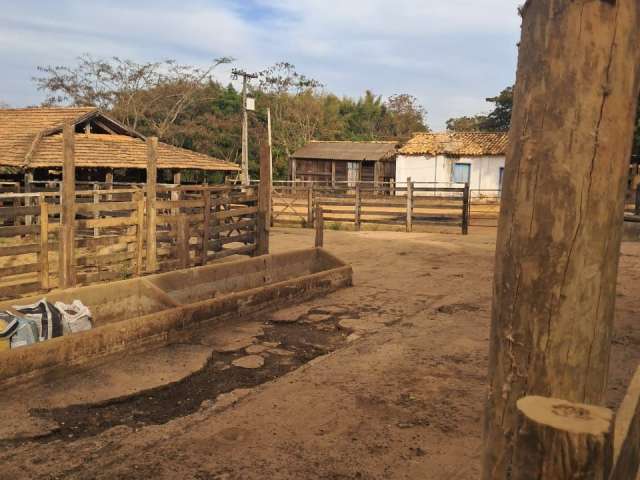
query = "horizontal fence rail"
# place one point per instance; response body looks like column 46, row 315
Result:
column 405, row 204
column 193, row 225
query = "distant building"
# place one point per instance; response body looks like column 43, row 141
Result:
column 458, row 157
column 31, row 145
column 332, row 162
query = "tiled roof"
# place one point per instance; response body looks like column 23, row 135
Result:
column 472, row 144
column 121, row 151
column 349, row 151
column 20, row 127
column 29, row 137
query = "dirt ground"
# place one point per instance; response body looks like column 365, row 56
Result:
column 384, row 380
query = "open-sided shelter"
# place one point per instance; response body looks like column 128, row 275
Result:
column 31, row 145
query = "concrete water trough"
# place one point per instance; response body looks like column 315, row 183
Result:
column 147, row 312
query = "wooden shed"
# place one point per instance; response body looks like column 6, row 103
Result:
column 331, row 162
column 31, row 144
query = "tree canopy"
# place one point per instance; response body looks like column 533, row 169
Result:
column 498, row 120
column 186, row 106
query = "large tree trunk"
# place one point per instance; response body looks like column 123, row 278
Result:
column 562, row 207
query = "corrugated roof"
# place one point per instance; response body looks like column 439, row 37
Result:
column 30, row 137
column 349, row 151
column 472, row 144
column 120, row 151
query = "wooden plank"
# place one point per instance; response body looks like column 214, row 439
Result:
column 409, row 212
column 18, row 270
column 43, row 256
column 107, row 222
column 104, row 241
column 357, row 207
column 67, row 202
column 175, row 204
column 206, row 225
column 310, row 205
column 18, row 211
column 140, row 232
column 112, row 258
column 465, row 210
column 151, row 190
column 19, row 250
column 319, row 240
column 626, row 439
column 248, row 237
column 183, row 241
column 13, row 291
column 235, row 213
column 173, row 220
column 106, row 206
column 18, row 230
column 225, row 227
column 264, row 204
column 245, row 250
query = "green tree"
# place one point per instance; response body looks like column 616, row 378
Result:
column 498, row 120
column 467, row 124
column 187, row 107
column 149, row 96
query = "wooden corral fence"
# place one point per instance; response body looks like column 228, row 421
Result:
column 192, row 225
column 484, row 209
column 632, row 202
column 407, row 204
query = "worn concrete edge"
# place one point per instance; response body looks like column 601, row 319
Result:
column 162, row 328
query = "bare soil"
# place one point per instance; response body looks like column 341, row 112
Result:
column 385, row 380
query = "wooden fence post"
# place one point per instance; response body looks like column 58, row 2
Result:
column 108, row 179
column 44, row 243
column 559, row 234
column 96, row 213
column 637, row 209
column 67, row 202
column 182, row 241
column 310, row 206
column 466, row 209
column 206, row 225
column 357, row 207
column 409, row 205
column 28, row 184
column 152, row 179
column 138, row 197
column 560, row 440
column 319, row 227
column 264, row 203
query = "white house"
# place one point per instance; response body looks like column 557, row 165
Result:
column 476, row 158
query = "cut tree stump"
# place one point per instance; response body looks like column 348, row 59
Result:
column 559, row 440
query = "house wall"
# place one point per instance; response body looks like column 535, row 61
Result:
column 321, row 170
column 484, row 175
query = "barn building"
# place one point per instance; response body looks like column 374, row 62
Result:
column 335, row 162
column 31, row 148
column 476, row 158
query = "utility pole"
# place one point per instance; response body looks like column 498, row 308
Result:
column 245, row 122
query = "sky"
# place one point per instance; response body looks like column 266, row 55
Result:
column 450, row 54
